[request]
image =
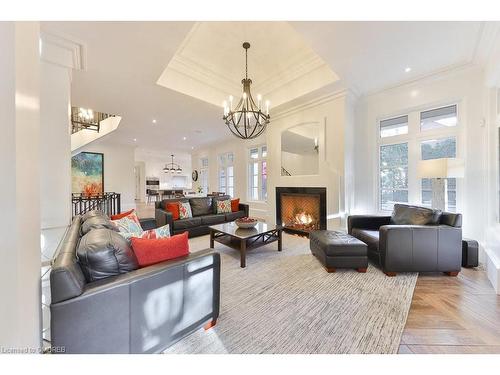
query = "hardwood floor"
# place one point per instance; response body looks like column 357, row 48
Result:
column 456, row 315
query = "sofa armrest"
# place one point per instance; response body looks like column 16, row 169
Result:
column 244, row 207
column 420, row 248
column 163, row 218
column 112, row 314
column 372, row 222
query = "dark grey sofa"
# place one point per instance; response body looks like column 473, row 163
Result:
column 433, row 243
column 141, row 311
column 203, row 215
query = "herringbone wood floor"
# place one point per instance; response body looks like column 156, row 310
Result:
column 453, row 315
column 448, row 314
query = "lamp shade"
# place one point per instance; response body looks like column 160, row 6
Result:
column 441, row 168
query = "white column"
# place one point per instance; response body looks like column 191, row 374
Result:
column 19, row 188
column 55, row 145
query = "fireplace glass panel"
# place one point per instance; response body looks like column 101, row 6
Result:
column 300, row 212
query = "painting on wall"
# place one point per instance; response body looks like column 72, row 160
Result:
column 87, row 173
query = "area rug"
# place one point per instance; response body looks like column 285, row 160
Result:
column 285, row 302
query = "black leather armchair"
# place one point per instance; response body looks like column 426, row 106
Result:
column 142, row 311
column 411, row 248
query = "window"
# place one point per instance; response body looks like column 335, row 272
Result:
column 393, row 175
column 204, row 175
column 444, row 117
column 257, row 174
column 230, row 181
column 406, row 139
column 226, row 173
column 394, row 126
column 437, row 149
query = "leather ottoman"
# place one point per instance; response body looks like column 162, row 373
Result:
column 338, row 250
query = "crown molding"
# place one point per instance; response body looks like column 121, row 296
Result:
column 310, row 104
column 200, row 73
column 63, row 51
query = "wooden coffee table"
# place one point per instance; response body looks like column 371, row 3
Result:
column 245, row 239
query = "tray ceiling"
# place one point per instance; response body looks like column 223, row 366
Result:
column 210, row 62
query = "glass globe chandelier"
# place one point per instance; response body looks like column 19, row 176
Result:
column 172, row 167
column 246, row 120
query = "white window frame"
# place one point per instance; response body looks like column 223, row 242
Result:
column 259, row 160
column 224, row 166
column 204, row 173
column 414, row 137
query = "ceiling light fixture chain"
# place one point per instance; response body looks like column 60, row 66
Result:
column 254, row 120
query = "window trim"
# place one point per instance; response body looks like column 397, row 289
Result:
column 225, row 166
column 258, row 160
column 414, row 137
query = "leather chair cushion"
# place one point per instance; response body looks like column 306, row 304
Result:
column 97, row 222
column 403, row 214
column 369, row 237
column 187, row 223
column 103, row 253
column 92, row 213
column 201, row 206
column 213, row 219
column 334, row 243
column 235, row 215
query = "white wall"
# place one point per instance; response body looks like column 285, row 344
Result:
column 20, row 326
column 464, row 86
column 330, row 113
column 118, row 169
column 492, row 242
column 55, row 146
column 299, row 164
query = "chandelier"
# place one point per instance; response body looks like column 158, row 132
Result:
column 246, row 120
column 85, row 118
column 172, row 167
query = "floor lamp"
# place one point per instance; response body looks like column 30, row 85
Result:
column 438, row 170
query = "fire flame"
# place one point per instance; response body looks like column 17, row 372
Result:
column 303, row 218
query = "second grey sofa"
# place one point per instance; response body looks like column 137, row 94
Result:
column 412, row 239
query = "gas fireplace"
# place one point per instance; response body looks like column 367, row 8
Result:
column 301, row 210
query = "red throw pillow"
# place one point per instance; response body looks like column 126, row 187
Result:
column 174, row 209
column 235, row 205
column 152, row 251
column 122, row 215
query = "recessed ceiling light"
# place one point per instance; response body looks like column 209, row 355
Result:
column 184, row 138
column 192, row 147
column 135, row 139
column 407, row 69
column 154, row 121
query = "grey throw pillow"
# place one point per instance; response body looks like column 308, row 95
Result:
column 201, row 206
column 403, row 214
column 103, row 253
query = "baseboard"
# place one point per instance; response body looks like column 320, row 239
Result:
column 493, row 268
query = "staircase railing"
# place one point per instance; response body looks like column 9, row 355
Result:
column 109, row 203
